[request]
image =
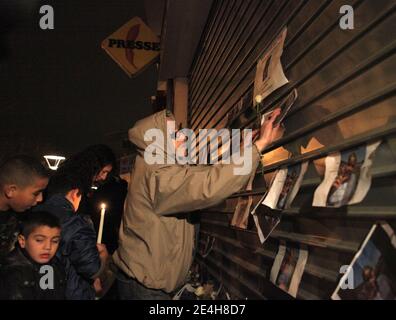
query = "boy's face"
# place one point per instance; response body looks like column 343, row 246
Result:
column 41, row 244
column 23, row 198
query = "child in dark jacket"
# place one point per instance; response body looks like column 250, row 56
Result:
column 83, row 258
column 22, row 182
column 31, row 271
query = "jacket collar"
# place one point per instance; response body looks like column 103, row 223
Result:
column 64, row 207
column 19, row 256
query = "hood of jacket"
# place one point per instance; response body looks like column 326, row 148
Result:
column 155, row 132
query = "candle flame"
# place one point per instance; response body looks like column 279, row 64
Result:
column 259, row 98
column 103, row 206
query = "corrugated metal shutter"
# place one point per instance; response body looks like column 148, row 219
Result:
column 346, row 86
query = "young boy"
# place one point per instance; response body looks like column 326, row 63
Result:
column 22, row 181
column 32, row 271
column 84, row 260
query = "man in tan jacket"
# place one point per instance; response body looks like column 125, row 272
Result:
column 156, row 242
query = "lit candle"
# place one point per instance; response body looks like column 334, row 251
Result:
column 102, row 214
column 259, row 98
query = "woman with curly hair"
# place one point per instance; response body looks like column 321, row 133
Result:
column 92, row 165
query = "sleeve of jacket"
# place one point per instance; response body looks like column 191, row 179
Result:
column 84, row 254
column 17, row 284
column 178, row 189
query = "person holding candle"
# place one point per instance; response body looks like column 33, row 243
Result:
column 93, row 165
column 83, row 258
column 113, row 194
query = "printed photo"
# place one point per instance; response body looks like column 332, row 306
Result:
column 241, row 213
column 285, row 186
column 288, row 268
column 265, row 222
column 345, row 183
column 347, row 178
column 269, row 71
column 371, row 271
column 286, row 105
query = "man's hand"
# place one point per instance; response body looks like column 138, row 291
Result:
column 269, row 133
column 103, row 254
column 98, row 286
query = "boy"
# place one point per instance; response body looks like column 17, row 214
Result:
column 84, row 260
column 22, row 181
column 31, row 271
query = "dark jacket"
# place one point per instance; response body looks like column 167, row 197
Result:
column 9, row 229
column 77, row 250
column 20, row 278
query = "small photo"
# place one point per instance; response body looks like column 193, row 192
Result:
column 269, row 71
column 241, row 213
column 265, row 221
column 345, row 183
column 286, row 105
column 291, row 178
column 285, row 186
column 347, row 178
column 287, row 268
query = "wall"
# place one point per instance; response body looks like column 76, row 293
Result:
column 346, row 87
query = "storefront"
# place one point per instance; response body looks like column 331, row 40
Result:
column 345, row 81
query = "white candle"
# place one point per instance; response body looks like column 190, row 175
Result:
column 102, row 214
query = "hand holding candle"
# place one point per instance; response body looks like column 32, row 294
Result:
column 102, row 214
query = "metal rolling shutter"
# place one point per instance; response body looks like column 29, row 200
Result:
column 346, row 86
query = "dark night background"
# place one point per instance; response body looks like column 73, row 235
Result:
column 59, row 91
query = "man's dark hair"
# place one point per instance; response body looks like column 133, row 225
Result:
column 33, row 220
column 21, row 170
column 63, row 182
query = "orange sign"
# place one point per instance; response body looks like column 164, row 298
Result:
column 133, row 46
